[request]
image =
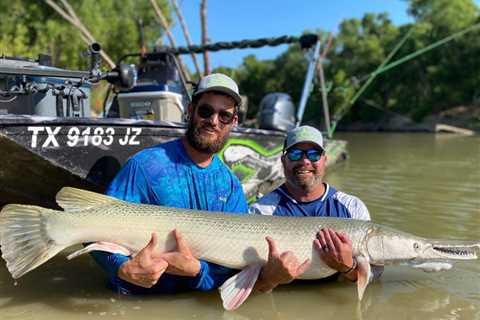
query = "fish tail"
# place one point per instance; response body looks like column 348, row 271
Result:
column 24, row 239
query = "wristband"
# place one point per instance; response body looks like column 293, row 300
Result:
column 353, row 267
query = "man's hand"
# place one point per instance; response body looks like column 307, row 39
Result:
column 181, row 262
column 335, row 249
column 145, row 268
column 280, row 268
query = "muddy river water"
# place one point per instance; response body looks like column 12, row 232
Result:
column 425, row 184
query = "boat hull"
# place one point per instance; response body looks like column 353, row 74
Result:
column 41, row 155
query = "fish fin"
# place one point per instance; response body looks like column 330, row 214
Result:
column 73, row 199
column 24, row 238
column 101, row 246
column 236, row 289
column 364, row 273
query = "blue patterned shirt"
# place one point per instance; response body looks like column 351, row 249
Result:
column 165, row 175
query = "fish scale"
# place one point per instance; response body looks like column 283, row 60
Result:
column 231, row 240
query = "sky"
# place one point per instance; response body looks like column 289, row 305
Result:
column 234, row 20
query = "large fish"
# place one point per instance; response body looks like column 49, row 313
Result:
column 31, row 235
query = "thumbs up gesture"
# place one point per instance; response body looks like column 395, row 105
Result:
column 281, row 268
column 146, row 267
column 181, row 261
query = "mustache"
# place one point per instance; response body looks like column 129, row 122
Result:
column 301, row 167
column 209, row 126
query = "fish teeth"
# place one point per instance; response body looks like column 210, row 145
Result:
column 456, row 251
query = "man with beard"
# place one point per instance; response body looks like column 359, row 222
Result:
column 184, row 173
column 304, row 193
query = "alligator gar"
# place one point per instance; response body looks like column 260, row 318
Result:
column 31, row 235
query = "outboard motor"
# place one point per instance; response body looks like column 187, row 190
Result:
column 277, row 112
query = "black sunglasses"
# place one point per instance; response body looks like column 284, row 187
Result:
column 294, row 154
column 205, row 111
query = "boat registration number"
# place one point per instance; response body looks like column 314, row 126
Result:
column 44, row 137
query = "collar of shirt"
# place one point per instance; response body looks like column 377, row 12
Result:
column 283, row 190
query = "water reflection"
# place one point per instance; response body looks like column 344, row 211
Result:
column 424, row 184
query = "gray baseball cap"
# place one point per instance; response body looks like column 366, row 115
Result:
column 219, row 82
column 303, row 134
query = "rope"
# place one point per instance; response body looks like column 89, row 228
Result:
column 305, row 41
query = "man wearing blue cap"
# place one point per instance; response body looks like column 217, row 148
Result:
column 304, row 193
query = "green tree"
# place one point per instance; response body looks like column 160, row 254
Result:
column 31, row 27
column 254, row 79
column 359, row 48
column 447, row 72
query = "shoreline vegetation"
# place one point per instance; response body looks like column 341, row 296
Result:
column 460, row 120
column 440, row 85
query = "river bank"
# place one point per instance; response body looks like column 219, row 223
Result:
column 464, row 117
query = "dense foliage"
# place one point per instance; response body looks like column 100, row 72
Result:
column 31, row 27
column 439, row 79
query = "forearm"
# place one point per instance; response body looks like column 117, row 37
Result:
column 109, row 262
column 351, row 273
column 211, row 276
column 265, row 283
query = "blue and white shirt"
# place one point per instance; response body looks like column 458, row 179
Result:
column 165, row 175
column 333, row 203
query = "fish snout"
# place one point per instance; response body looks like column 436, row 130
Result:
column 454, row 250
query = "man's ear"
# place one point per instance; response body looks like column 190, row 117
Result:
column 235, row 121
column 189, row 111
column 283, row 159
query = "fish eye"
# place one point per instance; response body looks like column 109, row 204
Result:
column 416, row 246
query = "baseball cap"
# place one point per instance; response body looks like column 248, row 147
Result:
column 219, row 82
column 303, row 134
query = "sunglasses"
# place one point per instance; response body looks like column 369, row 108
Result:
column 205, row 111
column 294, row 154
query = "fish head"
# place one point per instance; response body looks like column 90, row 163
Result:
column 386, row 246
column 390, row 247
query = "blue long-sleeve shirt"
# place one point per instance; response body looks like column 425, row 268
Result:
column 165, row 175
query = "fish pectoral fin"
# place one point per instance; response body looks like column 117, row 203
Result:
column 236, row 289
column 73, row 199
column 364, row 273
column 101, row 246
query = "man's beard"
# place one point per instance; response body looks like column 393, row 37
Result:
column 306, row 183
column 201, row 143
